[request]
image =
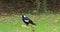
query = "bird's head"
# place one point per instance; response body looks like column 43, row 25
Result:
column 24, row 16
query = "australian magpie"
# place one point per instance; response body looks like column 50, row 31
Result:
column 27, row 21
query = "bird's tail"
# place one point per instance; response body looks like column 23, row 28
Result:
column 32, row 23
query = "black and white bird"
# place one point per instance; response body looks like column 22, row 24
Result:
column 27, row 21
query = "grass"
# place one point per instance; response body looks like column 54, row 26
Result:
column 44, row 23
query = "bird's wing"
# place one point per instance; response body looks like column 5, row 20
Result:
column 26, row 20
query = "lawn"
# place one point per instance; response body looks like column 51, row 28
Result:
column 44, row 23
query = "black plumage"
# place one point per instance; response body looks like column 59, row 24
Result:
column 27, row 21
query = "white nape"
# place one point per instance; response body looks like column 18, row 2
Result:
column 25, row 16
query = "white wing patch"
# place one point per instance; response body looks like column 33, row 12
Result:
column 26, row 20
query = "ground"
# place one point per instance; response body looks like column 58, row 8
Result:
column 44, row 23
